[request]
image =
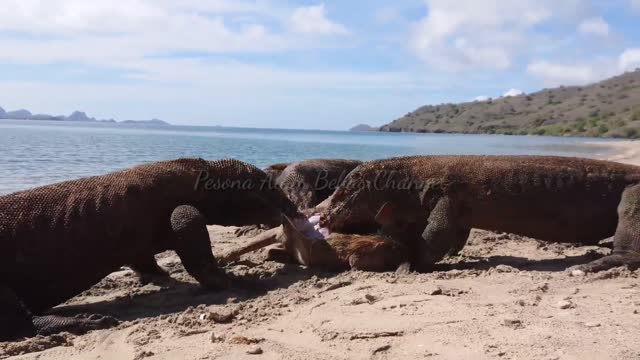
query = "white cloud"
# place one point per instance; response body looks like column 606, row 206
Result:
column 115, row 16
column 116, row 31
column 313, row 20
column 108, row 32
column 555, row 74
column 629, row 59
column 481, row 98
column 594, row 26
column 483, row 34
column 562, row 74
column 513, row 92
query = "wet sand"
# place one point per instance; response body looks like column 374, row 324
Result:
column 505, row 297
column 627, row 152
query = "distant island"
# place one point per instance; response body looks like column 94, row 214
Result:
column 76, row 116
column 610, row 108
column 364, row 127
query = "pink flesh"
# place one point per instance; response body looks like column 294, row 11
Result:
column 311, row 228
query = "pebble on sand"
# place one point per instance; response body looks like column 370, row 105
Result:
column 215, row 338
column 577, row 273
column 513, row 323
column 221, row 317
column 255, row 350
column 565, row 304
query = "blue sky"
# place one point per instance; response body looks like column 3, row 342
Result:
column 300, row 64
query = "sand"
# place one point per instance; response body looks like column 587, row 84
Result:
column 627, row 152
column 505, row 297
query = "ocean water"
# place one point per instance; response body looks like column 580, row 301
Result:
column 35, row 153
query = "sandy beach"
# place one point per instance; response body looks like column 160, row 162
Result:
column 504, row 297
column 627, row 151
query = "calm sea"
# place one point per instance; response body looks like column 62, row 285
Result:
column 34, row 153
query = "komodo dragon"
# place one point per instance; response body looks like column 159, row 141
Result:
column 432, row 202
column 274, row 170
column 58, row 240
column 306, row 183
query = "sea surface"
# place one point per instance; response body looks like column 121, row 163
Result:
column 35, row 153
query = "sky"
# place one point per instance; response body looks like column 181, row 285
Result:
column 300, row 64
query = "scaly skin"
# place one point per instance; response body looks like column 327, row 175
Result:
column 274, row 170
column 307, row 183
column 58, row 240
column 432, row 202
column 52, row 324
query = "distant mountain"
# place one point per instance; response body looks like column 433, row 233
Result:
column 610, row 108
column 21, row 114
column 147, row 122
column 77, row 116
column 364, row 127
column 47, row 117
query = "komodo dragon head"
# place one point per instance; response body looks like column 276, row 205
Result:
column 237, row 194
column 275, row 170
column 363, row 206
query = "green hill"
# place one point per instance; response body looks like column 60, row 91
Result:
column 610, row 108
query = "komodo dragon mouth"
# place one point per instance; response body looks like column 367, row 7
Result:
column 311, row 227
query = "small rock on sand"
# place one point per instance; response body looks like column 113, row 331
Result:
column 221, row 317
column 215, row 338
column 436, row 291
column 255, row 350
column 513, row 323
column 577, row 273
column 565, row 304
column 143, row 354
column 506, row 269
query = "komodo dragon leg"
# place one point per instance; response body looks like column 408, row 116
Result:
column 148, row 269
column 18, row 321
column 447, row 230
column 194, row 247
column 626, row 241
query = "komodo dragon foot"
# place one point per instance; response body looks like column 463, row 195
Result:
column 630, row 260
column 18, row 322
column 626, row 241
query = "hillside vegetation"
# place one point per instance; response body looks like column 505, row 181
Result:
column 610, row 108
